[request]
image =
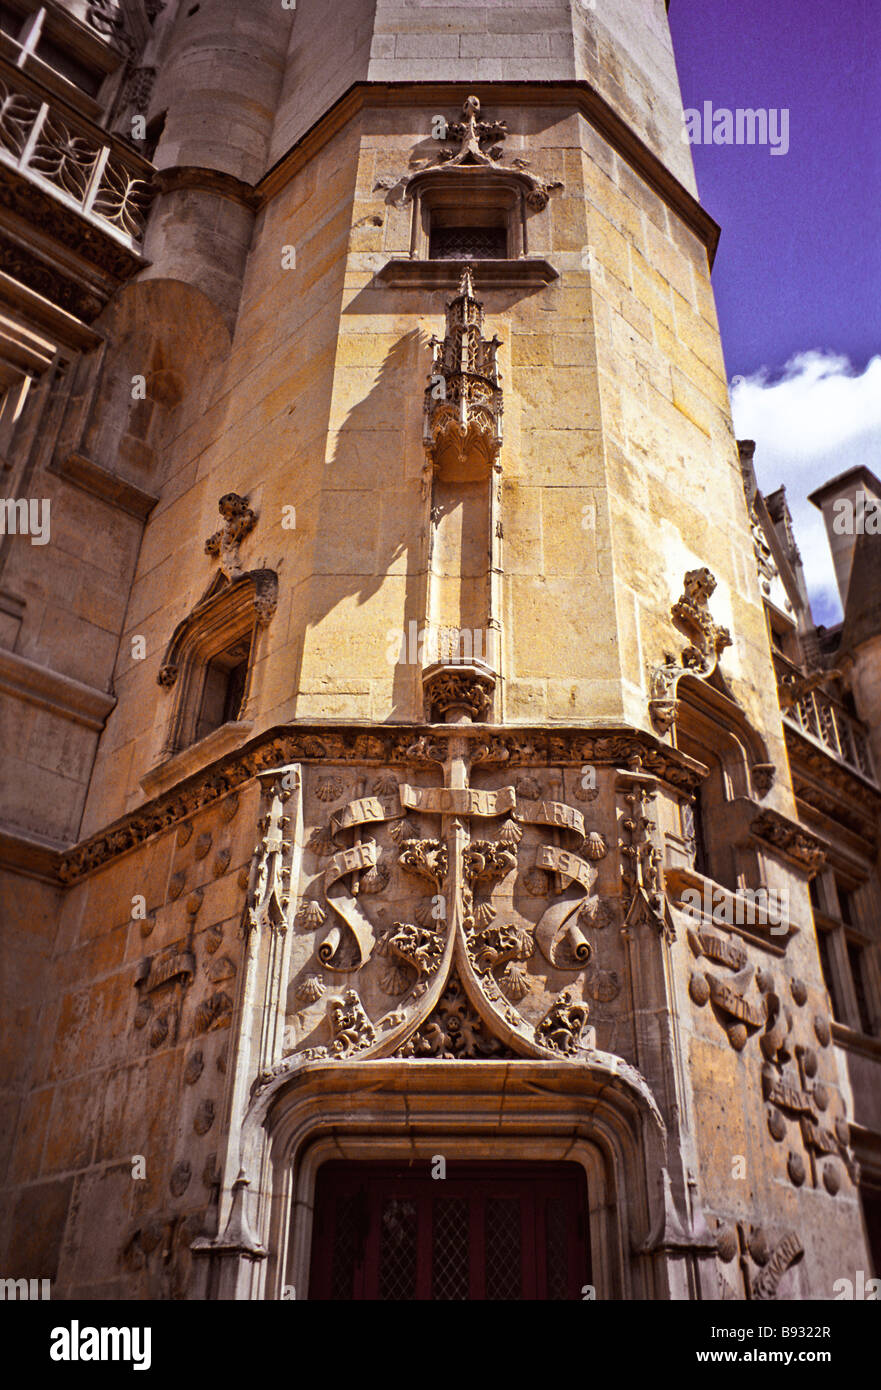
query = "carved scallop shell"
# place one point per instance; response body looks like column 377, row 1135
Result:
column 595, row 846
column 329, row 789
column 320, row 843
column 401, row 830
column 586, row 793
column 536, row 883
column 310, row 914
column 385, row 785
column 510, row 833
column 375, row 879
column 426, row 913
column 394, row 980
column 484, row 914
column 514, row 981
column 311, row 989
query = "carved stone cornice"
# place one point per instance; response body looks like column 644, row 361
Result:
column 385, row 745
column 432, row 96
column 806, row 754
column 790, row 840
column 194, row 178
column 52, row 690
column 530, row 272
column 41, row 237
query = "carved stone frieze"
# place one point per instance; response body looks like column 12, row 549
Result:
column 796, row 844
column 515, row 955
column 379, row 747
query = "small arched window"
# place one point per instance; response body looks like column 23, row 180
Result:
column 209, row 661
column 711, row 728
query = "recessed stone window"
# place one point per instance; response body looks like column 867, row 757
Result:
column 472, row 214
column 209, row 661
column 223, row 690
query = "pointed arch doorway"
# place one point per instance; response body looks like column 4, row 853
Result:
column 448, row 1231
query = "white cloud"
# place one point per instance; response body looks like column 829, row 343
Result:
column 818, row 418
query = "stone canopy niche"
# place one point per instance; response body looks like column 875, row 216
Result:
column 463, row 437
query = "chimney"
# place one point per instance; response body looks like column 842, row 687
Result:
column 845, row 502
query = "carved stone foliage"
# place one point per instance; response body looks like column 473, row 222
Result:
column 453, row 690
column 477, row 148
column 454, row 1029
column 455, row 953
column 707, row 642
column 754, row 1264
column 641, row 872
column 238, row 522
column 791, row 841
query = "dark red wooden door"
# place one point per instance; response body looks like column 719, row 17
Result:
column 484, row 1231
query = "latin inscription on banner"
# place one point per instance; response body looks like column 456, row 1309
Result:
column 369, row 808
column 562, row 862
column 552, row 813
column 349, row 861
column 458, row 801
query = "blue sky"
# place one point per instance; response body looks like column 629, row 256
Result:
column 798, row 273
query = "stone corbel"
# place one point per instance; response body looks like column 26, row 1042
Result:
column 700, row 658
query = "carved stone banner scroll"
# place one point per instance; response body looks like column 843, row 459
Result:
column 427, row 879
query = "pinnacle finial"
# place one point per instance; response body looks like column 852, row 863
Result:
column 466, row 283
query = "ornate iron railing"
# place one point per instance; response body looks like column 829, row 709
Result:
column 72, row 159
column 817, row 713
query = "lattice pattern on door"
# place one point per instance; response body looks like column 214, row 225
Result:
column 495, row 1233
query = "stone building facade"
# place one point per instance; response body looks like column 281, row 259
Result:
column 425, row 789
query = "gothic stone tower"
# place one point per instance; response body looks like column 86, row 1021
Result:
column 396, row 760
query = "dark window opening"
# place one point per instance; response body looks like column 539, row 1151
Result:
column 856, row 961
column 152, row 135
column 10, row 22
column 828, row 973
column 63, row 62
column 505, row 1232
column 871, row 1201
column 468, row 244
column 693, row 828
column 224, row 688
column 845, row 904
column 814, row 891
